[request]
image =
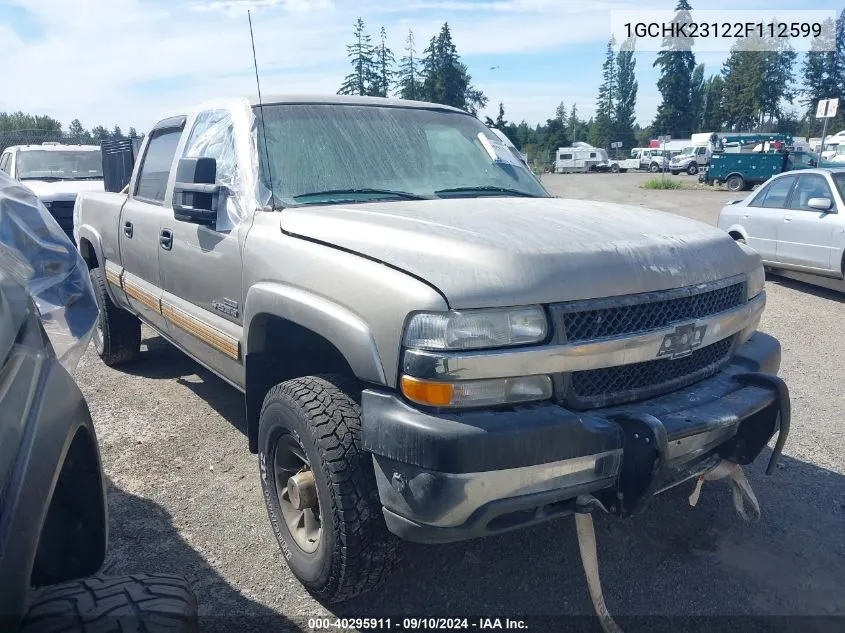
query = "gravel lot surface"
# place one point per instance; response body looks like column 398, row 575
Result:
column 184, row 497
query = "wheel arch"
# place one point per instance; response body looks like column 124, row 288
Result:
column 90, row 247
column 290, row 333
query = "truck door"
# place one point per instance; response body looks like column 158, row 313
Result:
column 141, row 218
column 805, row 237
column 201, row 266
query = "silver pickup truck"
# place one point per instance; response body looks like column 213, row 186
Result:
column 429, row 344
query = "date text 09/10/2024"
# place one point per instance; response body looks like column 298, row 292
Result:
column 415, row 624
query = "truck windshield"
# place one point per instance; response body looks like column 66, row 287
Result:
column 337, row 153
column 60, row 165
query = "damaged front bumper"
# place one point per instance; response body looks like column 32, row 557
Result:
column 452, row 476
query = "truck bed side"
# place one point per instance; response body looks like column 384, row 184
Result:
column 97, row 226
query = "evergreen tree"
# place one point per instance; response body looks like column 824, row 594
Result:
column 132, row 133
column 676, row 61
column 626, row 95
column 820, row 72
column 446, row 79
column 696, row 97
column 602, row 131
column 500, row 119
column 117, row 133
column 778, row 61
column 363, row 80
column 409, row 82
column 560, row 113
column 384, row 62
column 712, row 115
column 573, row 122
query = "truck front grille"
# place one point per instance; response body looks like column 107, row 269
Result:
column 614, row 385
column 588, row 320
column 62, row 211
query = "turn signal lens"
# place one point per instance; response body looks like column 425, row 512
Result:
column 477, row 393
column 434, row 394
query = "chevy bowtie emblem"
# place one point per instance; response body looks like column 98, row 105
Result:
column 682, row 341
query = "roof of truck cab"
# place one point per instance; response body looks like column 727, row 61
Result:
column 56, row 148
column 349, row 100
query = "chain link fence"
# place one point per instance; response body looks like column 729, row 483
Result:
column 37, row 137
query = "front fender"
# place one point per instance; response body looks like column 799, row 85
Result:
column 338, row 325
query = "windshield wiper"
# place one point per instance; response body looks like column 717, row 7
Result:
column 44, row 178
column 487, row 189
column 364, row 190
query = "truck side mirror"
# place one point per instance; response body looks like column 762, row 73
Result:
column 196, row 197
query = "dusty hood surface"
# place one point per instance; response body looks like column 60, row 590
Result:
column 515, row 251
column 61, row 189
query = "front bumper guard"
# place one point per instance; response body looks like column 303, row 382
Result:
column 447, row 476
column 647, row 468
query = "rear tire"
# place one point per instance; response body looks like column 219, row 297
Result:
column 143, row 602
column 337, row 546
column 614, row 169
column 117, row 336
column 735, row 183
column 675, row 173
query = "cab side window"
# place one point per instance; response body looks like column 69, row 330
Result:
column 156, row 164
column 774, row 195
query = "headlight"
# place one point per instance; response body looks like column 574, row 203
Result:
column 476, row 329
column 756, row 282
column 477, row 393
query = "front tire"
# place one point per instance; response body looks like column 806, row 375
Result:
column 692, row 170
column 155, row 603
column 320, row 488
column 654, row 168
column 117, row 336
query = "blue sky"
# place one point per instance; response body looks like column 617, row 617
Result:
column 130, row 61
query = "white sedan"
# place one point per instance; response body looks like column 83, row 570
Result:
column 796, row 221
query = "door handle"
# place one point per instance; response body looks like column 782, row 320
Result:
column 787, row 218
column 127, row 229
column 165, row 238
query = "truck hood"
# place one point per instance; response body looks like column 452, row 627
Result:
column 61, row 189
column 491, row 251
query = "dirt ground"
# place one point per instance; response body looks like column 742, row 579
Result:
column 184, row 497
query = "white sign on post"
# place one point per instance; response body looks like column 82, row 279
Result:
column 827, row 108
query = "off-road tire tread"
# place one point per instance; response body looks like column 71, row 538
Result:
column 146, row 603
column 366, row 551
column 121, row 329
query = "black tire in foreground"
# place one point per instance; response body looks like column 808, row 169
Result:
column 143, row 602
column 320, row 488
column 117, row 336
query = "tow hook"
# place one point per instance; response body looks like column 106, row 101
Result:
column 584, row 507
column 742, row 492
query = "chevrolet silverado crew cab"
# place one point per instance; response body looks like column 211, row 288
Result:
column 56, row 174
column 430, row 346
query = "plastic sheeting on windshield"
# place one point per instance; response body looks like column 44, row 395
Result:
column 225, row 131
column 36, row 253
